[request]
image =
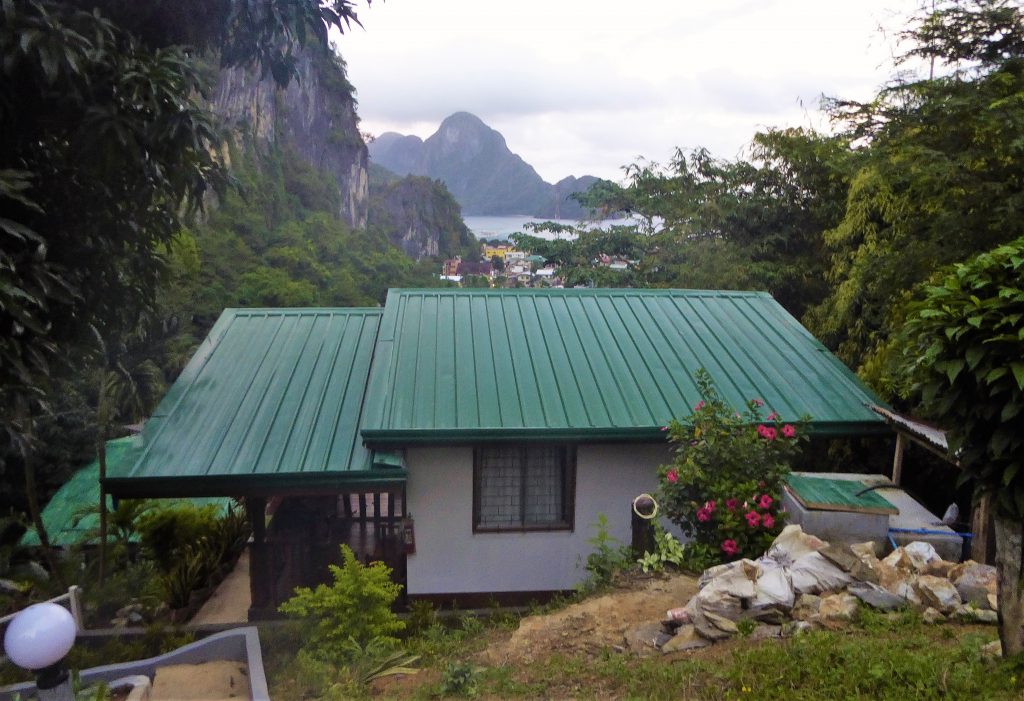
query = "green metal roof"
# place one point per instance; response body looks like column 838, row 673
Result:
column 593, row 364
column 270, row 402
column 70, row 515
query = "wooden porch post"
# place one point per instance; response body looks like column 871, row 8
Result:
column 260, row 587
column 897, row 459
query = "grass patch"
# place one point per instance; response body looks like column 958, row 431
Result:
column 899, row 658
column 893, row 656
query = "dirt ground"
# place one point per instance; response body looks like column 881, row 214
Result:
column 592, row 625
column 588, row 627
column 230, row 602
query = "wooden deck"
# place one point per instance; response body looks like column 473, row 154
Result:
column 305, row 534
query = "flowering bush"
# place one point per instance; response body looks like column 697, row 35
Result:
column 723, row 487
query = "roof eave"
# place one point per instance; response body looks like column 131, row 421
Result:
column 379, row 438
column 255, row 485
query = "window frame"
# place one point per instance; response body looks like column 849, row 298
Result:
column 568, row 460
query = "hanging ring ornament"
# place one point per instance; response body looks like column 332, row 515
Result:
column 645, row 506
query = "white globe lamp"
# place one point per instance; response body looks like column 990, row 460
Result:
column 38, row 639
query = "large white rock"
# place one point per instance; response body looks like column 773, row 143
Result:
column 914, row 556
column 938, row 592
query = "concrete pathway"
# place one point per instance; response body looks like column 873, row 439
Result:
column 230, row 602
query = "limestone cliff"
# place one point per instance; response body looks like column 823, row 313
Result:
column 485, row 177
column 421, row 217
column 315, row 116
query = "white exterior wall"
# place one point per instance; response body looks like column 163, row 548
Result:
column 451, row 559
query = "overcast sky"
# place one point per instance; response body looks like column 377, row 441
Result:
column 587, row 86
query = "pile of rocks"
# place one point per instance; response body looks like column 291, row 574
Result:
column 803, row 583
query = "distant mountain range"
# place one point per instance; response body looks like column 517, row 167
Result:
column 480, row 171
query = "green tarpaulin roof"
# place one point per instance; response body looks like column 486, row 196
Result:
column 594, row 364
column 70, row 515
column 271, row 401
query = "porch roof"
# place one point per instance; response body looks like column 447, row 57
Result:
column 594, row 365
column 270, row 403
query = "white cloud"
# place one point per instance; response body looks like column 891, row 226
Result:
column 586, row 86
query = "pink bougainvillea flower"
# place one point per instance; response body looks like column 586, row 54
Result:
column 788, row 431
column 757, row 402
column 765, row 501
column 703, row 515
column 729, row 547
column 699, row 405
column 772, row 416
column 672, row 476
column 767, row 520
column 753, row 519
column 769, row 434
column 731, row 504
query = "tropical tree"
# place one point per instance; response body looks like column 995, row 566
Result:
column 106, row 147
column 753, row 223
column 962, row 348
column 940, row 173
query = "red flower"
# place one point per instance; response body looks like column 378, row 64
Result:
column 672, row 476
column 703, row 515
column 753, row 519
column 729, row 547
column 664, row 428
column 772, row 416
column 767, row 521
column 769, row 434
column 788, row 431
column 761, row 430
column 699, row 405
column 757, row 402
column 710, row 505
column 731, row 504
column 765, row 502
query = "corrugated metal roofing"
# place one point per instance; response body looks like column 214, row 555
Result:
column 930, row 435
column 593, row 364
column 70, row 514
column 271, row 401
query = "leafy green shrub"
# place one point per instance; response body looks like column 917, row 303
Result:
column 610, row 556
column 962, row 357
column 199, row 562
column 165, row 532
column 357, row 606
column 723, row 487
column 459, row 679
column 667, row 551
column 421, row 616
column 189, row 573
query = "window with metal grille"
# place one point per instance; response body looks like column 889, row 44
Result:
column 519, row 488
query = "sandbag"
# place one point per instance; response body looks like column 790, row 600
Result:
column 813, row 573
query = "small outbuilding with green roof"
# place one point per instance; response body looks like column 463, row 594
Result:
column 504, row 421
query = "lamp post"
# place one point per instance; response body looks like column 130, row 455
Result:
column 38, row 639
